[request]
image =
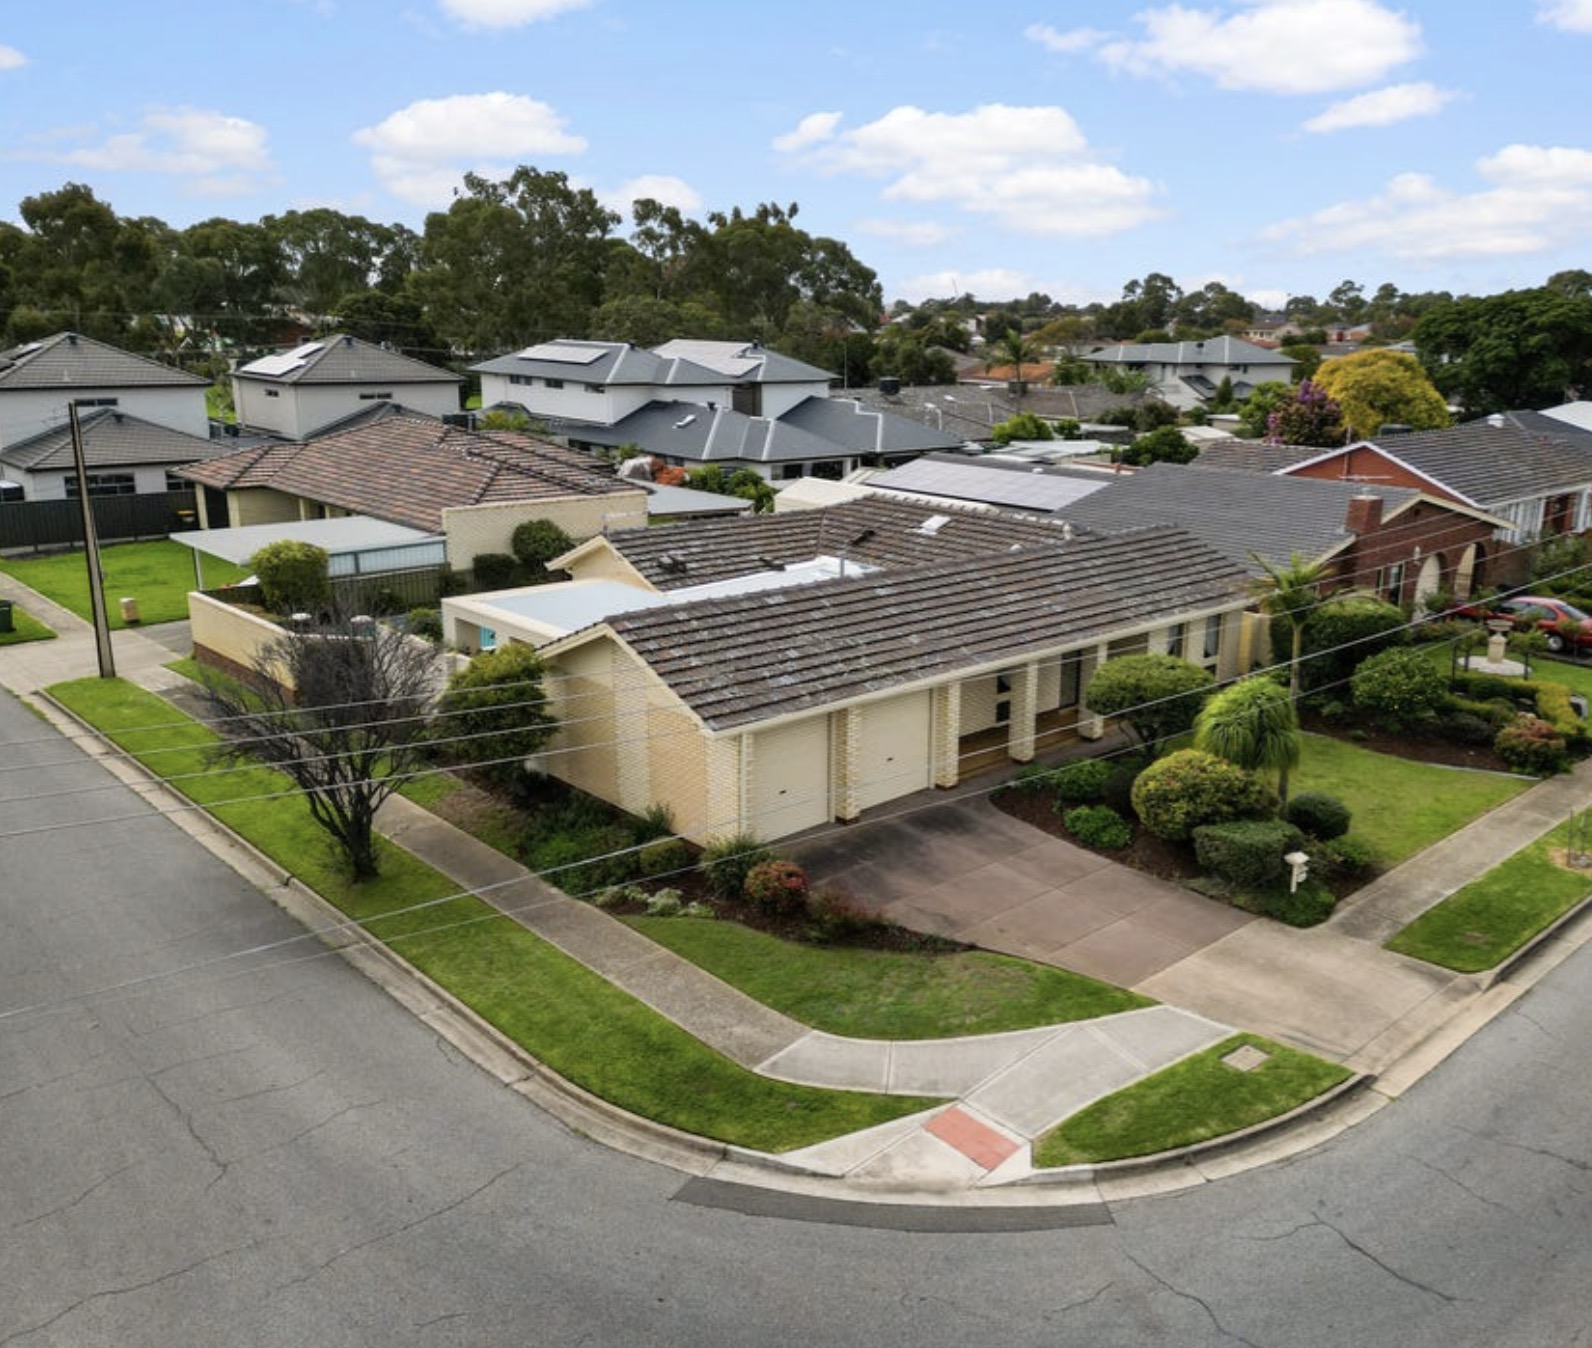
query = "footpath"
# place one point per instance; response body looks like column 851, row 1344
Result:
column 1005, row 1089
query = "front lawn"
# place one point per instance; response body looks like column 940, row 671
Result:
column 1191, row 1101
column 886, row 994
column 1489, row 919
column 25, row 627
column 159, row 574
column 576, row 1022
column 1400, row 806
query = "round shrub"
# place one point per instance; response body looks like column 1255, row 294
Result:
column 1308, row 906
column 1247, row 853
column 1339, row 634
column 1342, row 859
column 1082, row 782
column 1188, row 788
column 667, row 856
column 1098, row 826
column 494, row 570
column 727, row 861
column 1398, row 687
column 1319, row 815
column 777, row 887
column 293, row 576
column 536, row 542
column 1530, row 744
column 425, row 623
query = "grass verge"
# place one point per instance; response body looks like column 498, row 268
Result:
column 25, row 627
column 881, row 994
column 577, row 1023
column 1489, row 919
column 158, row 573
column 1191, row 1101
column 1400, row 806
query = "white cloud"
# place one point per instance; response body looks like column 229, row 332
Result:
column 1031, row 169
column 1266, row 299
column 11, row 58
column 508, row 13
column 421, row 151
column 216, row 154
column 1574, row 16
column 660, row 187
column 1382, row 107
column 1273, row 46
column 993, row 284
column 907, row 233
column 1064, row 43
column 813, row 129
column 1539, row 199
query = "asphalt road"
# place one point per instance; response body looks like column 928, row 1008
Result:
column 268, row 1151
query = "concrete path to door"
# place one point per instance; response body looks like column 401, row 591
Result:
column 963, row 869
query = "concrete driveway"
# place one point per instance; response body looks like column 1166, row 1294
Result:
column 963, row 869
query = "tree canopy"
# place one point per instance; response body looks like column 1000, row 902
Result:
column 1520, row 349
column 1376, row 387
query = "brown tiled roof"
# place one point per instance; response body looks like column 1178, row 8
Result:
column 747, row 658
column 875, row 531
column 408, row 468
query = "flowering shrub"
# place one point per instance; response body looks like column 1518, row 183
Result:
column 1530, row 744
column 1398, row 687
column 778, row 887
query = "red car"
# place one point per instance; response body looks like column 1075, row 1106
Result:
column 1565, row 626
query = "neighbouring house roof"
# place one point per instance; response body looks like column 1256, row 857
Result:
column 743, row 362
column 1212, row 351
column 876, row 531
column 605, row 363
column 340, row 537
column 971, row 409
column 814, row 429
column 408, row 468
column 1512, row 456
column 666, row 502
column 962, row 478
column 343, row 360
column 1252, row 456
column 1577, row 414
column 111, row 439
column 1237, row 513
column 69, row 359
column 743, row 659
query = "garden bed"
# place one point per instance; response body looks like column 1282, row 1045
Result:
column 1415, row 748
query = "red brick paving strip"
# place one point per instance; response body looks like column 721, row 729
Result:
column 977, row 1141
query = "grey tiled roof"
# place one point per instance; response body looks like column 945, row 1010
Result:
column 111, row 439
column 606, row 363
column 347, row 360
column 971, row 410
column 407, row 468
column 743, row 659
column 1213, row 351
column 1239, row 513
column 68, row 358
column 866, row 430
column 743, row 362
column 876, row 531
column 965, row 478
column 1252, row 456
column 1512, row 457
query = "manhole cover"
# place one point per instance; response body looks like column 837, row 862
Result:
column 1246, row 1058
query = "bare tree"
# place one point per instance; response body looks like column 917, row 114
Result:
column 343, row 711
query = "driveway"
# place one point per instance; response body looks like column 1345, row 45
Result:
column 963, row 869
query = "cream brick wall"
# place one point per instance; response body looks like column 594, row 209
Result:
column 235, row 635
column 978, row 704
column 678, row 761
column 580, row 692
column 261, row 505
column 603, row 563
column 476, row 529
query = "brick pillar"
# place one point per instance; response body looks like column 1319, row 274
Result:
column 947, row 734
column 1090, row 726
column 1025, row 701
column 845, row 740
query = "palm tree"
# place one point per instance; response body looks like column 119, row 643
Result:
column 1290, row 592
column 1254, row 724
column 1012, row 349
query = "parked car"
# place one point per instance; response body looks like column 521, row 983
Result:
column 1565, row 626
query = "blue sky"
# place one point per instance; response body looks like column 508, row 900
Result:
column 1279, row 146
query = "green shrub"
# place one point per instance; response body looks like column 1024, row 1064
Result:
column 1158, row 696
column 1309, row 906
column 656, row 821
column 1118, row 789
column 666, row 856
column 493, row 714
column 1082, row 782
column 778, row 887
column 1398, row 687
column 665, row 903
column 1098, row 826
column 1338, row 635
column 1342, row 858
column 835, row 916
column 293, row 576
column 580, row 863
column 494, row 570
column 425, row 623
column 1247, row 853
column 1530, row 744
column 1554, row 707
column 536, row 542
column 1030, row 779
column 1463, row 727
column 1318, row 815
column 1189, row 788
column 726, row 861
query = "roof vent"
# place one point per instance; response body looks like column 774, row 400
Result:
column 933, row 524
column 348, row 339
column 685, row 421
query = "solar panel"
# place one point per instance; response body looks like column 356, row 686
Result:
column 285, row 362
column 567, row 355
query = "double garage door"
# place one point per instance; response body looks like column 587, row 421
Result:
column 791, row 787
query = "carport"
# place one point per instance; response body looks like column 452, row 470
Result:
column 357, row 546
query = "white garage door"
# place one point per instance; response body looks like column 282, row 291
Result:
column 790, row 778
column 893, row 758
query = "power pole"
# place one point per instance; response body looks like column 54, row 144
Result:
column 96, row 578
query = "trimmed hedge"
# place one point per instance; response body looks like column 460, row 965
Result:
column 1186, row 789
column 1318, row 815
column 1247, row 853
column 1098, row 826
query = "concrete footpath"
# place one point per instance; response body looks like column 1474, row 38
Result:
column 1332, row 989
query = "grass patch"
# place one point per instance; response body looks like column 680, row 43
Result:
column 1191, row 1101
column 158, row 574
column 579, row 1024
column 1491, row 918
column 25, row 627
column 1399, row 806
column 880, row 994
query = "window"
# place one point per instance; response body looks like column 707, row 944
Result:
column 11, row 491
column 95, row 402
column 1212, row 644
column 374, row 397
column 552, row 383
column 175, row 483
column 102, row 484
column 596, row 388
column 273, row 393
column 1390, row 582
column 831, row 470
column 521, row 379
column 1175, row 640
